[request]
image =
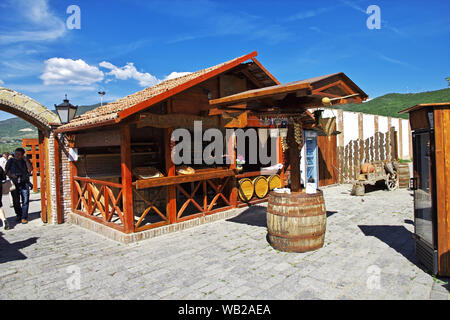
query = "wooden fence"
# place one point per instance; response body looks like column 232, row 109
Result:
column 379, row 147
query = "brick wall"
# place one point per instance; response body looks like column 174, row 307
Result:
column 52, row 173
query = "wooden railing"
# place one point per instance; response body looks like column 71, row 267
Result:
column 201, row 191
column 99, row 200
column 200, row 194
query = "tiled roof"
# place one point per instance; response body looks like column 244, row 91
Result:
column 111, row 110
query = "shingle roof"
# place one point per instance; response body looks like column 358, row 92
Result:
column 110, row 111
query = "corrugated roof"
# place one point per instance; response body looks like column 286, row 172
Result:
column 110, row 111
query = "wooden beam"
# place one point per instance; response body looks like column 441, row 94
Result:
column 173, row 180
column 265, row 70
column 252, row 78
column 86, row 126
column 163, row 96
column 261, row 93
column 127, row 191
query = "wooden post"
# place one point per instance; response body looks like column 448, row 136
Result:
column 42, row 176
column 171, row 207
column 127, row 187
column 232, row 156
column 340, row 143
column 31, row 147
column 47, row 185
column 73, row 173
column 57, row 156
column 280, row 159
column 294, row 160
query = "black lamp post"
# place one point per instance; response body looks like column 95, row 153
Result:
column 66, row 111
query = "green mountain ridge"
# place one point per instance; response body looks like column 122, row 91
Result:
column 390, row 104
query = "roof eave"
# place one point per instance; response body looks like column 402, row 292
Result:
column 147, row 103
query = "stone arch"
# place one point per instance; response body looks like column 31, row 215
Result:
column 28, row 109
column 45, row 121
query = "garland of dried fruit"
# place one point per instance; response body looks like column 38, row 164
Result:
column 284, row 145
column 298, row 134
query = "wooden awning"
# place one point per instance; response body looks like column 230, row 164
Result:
column 270, row 94
column 295, row 95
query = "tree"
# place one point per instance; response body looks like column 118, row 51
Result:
column 448, row 80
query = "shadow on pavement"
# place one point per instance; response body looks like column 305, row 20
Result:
column 254, row 216
column 10, row 251
column 397, row 237
column 257, row 216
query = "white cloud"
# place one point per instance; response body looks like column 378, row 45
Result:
column 175, row 74
column 68, row 71
column 1, row 82
column 129, row 71
column 38, row 23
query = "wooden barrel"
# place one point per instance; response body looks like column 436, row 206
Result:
column 296, row 222
column 261, row 186
column 403, row 175
column 274, row 182
column 245, row 189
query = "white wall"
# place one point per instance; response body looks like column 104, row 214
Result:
column 368, row 125
column 382, row 124
column 406, row 139
column 351, row 131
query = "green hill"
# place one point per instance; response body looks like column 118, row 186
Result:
column 390, row 104
column 13, row 130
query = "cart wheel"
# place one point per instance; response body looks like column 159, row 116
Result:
column 392, row 181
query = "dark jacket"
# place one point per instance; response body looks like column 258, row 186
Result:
column 2, row 174
column 20, row 170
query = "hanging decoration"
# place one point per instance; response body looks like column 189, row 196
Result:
column 283, row 136
column 298, row 134
column 263, row 135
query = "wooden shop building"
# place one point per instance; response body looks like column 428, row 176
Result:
column 113, row 143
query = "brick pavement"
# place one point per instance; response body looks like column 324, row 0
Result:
column 366, row 236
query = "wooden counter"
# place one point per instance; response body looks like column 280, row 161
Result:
column 166, row 181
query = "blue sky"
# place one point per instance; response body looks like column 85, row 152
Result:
column 125, row 46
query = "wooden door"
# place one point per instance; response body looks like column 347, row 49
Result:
column 327, row 148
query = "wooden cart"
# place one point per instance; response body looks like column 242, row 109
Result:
column 384, row 170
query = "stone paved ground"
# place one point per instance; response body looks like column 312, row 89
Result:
column 227, row 259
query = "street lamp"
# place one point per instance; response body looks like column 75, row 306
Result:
column 101, row 93
column 66, row 111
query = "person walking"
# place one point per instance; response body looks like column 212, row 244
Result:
column 3, row 160
column 2, row 213
column 18, row 170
